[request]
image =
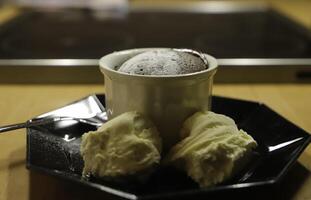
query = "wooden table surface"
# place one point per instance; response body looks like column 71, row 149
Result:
column 21, row 102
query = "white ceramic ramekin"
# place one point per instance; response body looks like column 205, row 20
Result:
column 168, row 100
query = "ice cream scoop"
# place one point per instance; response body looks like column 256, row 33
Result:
column 213, row 148
column 127, row 145
column 165, row 62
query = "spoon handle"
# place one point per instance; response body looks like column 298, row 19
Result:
column 30, row 123
column 13, row 127
column 47, row 120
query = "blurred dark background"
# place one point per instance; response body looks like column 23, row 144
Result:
column 249, row 38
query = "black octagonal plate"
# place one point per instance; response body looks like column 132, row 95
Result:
column 54, row 149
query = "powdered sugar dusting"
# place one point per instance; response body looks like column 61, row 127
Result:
column 163, row 62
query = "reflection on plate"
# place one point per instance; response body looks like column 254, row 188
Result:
column 54, row 149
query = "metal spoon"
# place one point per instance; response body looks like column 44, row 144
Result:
column 88, row 110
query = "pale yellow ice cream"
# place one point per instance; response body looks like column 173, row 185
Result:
column 212, row 150
column 126, row 145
